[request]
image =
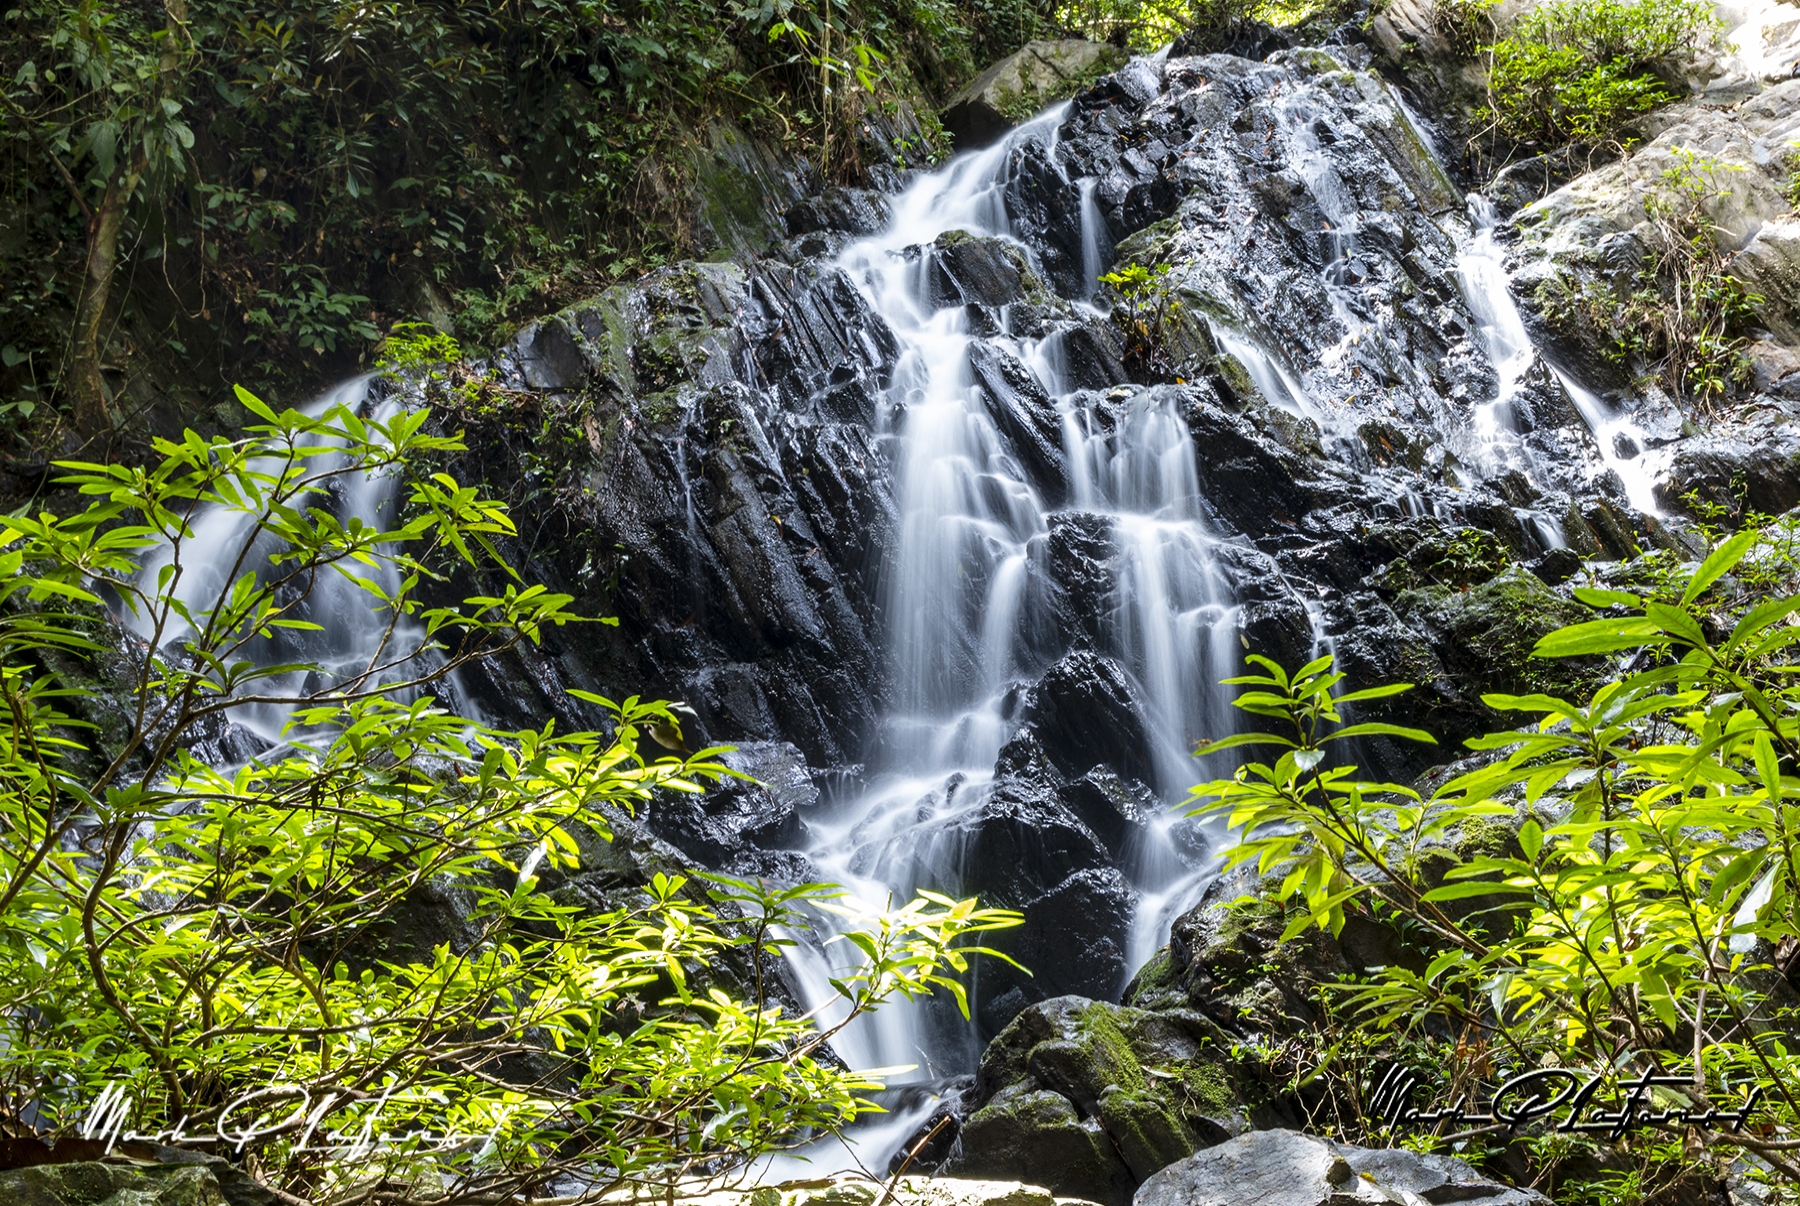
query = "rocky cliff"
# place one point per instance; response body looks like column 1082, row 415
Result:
column 1337, row 420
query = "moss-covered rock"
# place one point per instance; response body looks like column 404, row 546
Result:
column 1037, row 1132
column 1021, row 84
column 92, row 1183
column 1485, row 634
column 1091, row 1098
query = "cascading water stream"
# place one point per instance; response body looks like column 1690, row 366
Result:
column 959, row 583
column 1485, row 283
column 1481, row 272
column 351, row 643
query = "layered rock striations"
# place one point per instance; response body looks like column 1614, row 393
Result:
column 1387, row 468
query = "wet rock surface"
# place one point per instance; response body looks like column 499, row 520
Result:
column 98, row 1184
column 1096, row 1097
column 716, row 455
column 1023, row 83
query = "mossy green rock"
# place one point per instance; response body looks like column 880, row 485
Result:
column 1089, row 1099
column 1037, row 1132
column 1486, row 633
column 97, row 1184
column 1021, row 84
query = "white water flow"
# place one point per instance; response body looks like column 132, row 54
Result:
column 1300, row 119
column 1481, row 272
column 958, row 587
column 353, row 643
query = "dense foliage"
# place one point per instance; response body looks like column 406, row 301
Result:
column 1576, row 71
column 1613, row 886
column 252, row 185
column 366, row 958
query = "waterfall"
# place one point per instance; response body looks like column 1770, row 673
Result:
column 972, row 535
column 352, row 642
column 1485, row 284
column 1481, row 272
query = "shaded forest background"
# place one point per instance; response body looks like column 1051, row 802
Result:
column 208, row 192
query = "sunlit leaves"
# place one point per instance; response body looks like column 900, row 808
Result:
column 1646, row 849
column 394, row 917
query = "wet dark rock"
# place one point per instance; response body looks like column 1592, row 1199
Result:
column 1090, row 354
column 549, row 357
column 1047, row 213
column 1272, row 618
column 742, row 827
column 1557, row 566
column 1094, row 1098
column 1081, row 551
column 1753, row 463
column 724, row 497
column 1088, row 713
column 1021, row 844
column 1118, row 810
column 1254, row 483
column 850, row 211
column 1073, row 941
column 219, row 741
column 973, row 271
column 1529, row 180
column 1019, row 408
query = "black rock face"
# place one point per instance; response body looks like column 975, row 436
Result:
column 711, row 455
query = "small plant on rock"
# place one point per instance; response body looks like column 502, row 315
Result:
column 1681, row 320
column 1145, row 316
column 1467, row 25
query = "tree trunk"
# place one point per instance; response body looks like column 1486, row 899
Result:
column 93, row 416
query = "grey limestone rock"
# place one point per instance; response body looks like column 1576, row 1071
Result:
column 1287, row 1168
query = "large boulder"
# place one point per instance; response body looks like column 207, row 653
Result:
column 92, row 1183
column 1093, row 1098
column 1286, row 1168
column 1596, row 230
column 1746, row 461
column 1021, row 84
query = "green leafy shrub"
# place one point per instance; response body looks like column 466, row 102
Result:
column 1577, row 70
column 253, row 180
column 1148, row 25
column 198, row 951
column 1146, row 311
column 412, row 346
column 1648, row 884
